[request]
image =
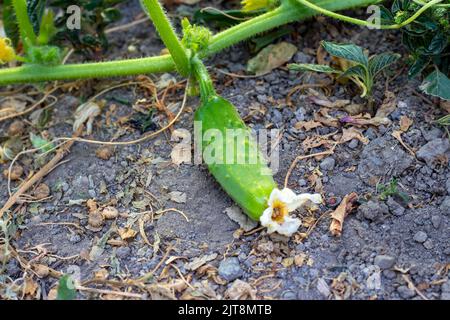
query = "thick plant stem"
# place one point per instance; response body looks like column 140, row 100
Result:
column 365, row 23
column 204, row 80
column 168, row 35
column 288, row 12
column 34, row 73
column 283, row 15
column 25, row 27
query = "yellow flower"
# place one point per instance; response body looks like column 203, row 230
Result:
column 7, row 53
column 252, row 5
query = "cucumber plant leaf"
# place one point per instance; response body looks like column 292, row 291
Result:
column 36, row 9
column 362, row 70
column 380, row 62
column 355, row 71
column 349, row 52
column 437, row 84
column 312, row 67
column 10, row 23
column 222, row 19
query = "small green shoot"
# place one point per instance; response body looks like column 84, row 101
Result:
column 391, row 190
column 362, row 69
column 41, row 143
column 66, row 288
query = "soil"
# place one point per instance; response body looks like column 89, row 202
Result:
column 390, row 248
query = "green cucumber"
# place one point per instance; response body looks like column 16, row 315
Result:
column 239, row 166
column 249, row 182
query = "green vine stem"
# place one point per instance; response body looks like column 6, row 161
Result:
column 25, row 26
column 288, row 12
column 33, row 73
column 365, row 23
column 168, row 35
column 441, row 5
column 204, row 80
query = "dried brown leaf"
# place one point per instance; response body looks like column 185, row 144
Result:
column 241, row 290
column 405, row 123
column 397, row 134
column 345, row 207
column 352, row 133
column 307, row 125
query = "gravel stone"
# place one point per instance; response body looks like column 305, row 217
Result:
column 289, row 295
column 432, row 134
column 436, row 221
column 353, row 144
column 395, row 208
column 445, row 206
column 230, row 269
column 432, row 150
column 428, row 244
column 446, row 286
column 373, row 210
column 123, row 252
column 384, row 261
column 405, row 292
column 420, row 237
column 328, row 164
column 380, row 157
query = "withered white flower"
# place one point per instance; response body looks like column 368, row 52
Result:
column 281, row 202
column 86, row 113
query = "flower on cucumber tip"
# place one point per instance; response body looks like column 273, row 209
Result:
column 252, row 5
column 7, row 53
column 281, row 202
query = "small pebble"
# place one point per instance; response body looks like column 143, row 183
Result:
column 328, row 164
column 353, row 144
column 420, row 237
column 436, row 221
column 405, row 292
column 230, row 269
column 384, row 261
column 428, row 244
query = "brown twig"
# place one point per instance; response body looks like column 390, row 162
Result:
column 117, row 293
column 40, row 174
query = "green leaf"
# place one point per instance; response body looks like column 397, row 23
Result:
column 40, row 143
column 358, row 75
column 222, row 19
column 66, row 290
column 36, row 9
column 10, row 23
column 349, row 52
column 380, row 62
column 312, row 67
column 437, row 84
column 355, row 71
column 47, row 28
column 418, row 66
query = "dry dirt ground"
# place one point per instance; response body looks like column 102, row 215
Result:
column 390, row 247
